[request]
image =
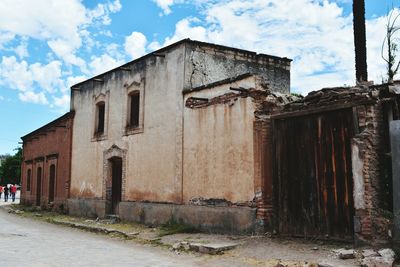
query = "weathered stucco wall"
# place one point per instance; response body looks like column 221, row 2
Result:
column 218, row 146
column 207, row 63
column 211, row 160
column 153, row 157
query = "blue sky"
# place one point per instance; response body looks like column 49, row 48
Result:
column 48, row 45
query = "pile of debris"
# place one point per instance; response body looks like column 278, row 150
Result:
column 368, row 257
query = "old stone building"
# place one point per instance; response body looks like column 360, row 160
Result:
column 210, row 136
column 46, row 163
column 171, row 136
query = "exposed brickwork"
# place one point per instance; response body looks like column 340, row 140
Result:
column 371, row 221
column 51, row 144
column 374, row 226
column 263, row 169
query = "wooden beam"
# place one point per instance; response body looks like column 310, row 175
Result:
column 315, row 110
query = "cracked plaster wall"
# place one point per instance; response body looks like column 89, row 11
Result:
column 206, row 65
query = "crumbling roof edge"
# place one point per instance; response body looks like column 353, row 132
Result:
column 187, row 40
column 318, row 109
column 67, row 115
column 217, row 83
column 223, row 47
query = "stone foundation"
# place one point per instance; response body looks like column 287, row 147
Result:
column 205, row 218
column 91, row 208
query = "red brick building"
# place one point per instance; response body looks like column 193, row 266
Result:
column 46, row 164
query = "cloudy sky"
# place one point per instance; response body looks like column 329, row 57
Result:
column 48, row 45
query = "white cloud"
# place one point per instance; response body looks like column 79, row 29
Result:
column 14, row 74
column 62, row 102
column 69, row 29
column 103, row 63
column 1, row 98
column 155, row 45
column 165, row 5
column 5, row 37
column 135, row 44
column 22, row 49
column 62, row 24
column 48, row 77
column 74, row 80
column 32, row 97
column 23, row 77
column 316, row 34
column 63, row 49
column 102, row 12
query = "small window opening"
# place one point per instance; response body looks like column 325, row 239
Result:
column 100, row 118
column 28, row 180
column 134, row 110
column 52, row 182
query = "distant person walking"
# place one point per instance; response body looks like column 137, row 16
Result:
column 1, row 191
column 13, row 189
column 6, row 193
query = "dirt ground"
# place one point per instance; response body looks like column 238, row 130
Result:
column 266, row 251
column 248, row 250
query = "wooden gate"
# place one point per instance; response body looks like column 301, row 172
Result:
column 312, row 175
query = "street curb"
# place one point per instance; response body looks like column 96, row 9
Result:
column 90, row 228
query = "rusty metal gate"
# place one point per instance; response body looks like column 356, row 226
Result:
column 312, row 175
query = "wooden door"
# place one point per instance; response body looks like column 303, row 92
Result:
column 313, row 183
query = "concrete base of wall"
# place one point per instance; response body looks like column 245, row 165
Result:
column 91, row 208
column 204, row 218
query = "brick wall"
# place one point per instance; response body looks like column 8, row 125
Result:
column 373, row 224
column 42, row 148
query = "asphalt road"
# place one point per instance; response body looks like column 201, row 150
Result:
column 26, row 242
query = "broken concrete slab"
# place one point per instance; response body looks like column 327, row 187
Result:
column 369, row 253
column 382, row 258
column 376, row 262
column 212, row 248
column 387, row 253
column 345, row 254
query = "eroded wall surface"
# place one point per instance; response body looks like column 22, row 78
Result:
column 210, row 63
column 218, row 145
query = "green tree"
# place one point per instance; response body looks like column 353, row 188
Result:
column 10, row 169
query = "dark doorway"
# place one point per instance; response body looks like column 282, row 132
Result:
column 313, row 176
column 38, row 185
column 116, row 183
column 52, row 182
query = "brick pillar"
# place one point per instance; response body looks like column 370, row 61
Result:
column 367, row 150
column 263, row 172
